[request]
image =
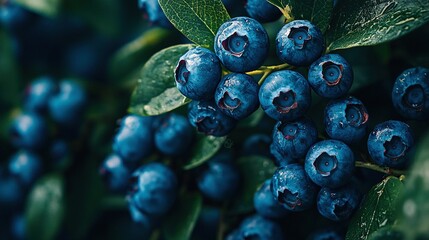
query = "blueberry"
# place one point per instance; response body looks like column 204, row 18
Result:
column 218, row 180
column 59, row 150
column 234, row 235
column 209, row 119
column 292, row 188
column 37, row 94
column 265, row 204
column 25, row 166
column 285, row 95
column 262, row 10
column 330, row 163
column 134, row 139
column 154, row 189
column 256, row 144
column 115, row 174
column 346, row 120
column 15, row 17
column 28, row 131
column 331, row 76
column 11, row 192
column 237, row 95
column 338, row 204
column 154, row 12
column 258, row 227
column 198, row 73
column 291, row 140
column 326, row 234
column 410, row 95
column 389, row 143
column 174, row 135
column 18, row 228
column 299, row 43
column 241, row 44
column 66, row 107
column 140, row 217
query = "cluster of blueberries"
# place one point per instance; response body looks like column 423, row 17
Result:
column 46, row 100
column 310, row 171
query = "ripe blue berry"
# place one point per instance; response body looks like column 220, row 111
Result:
column 59, row 150
column 346, row 120
column 15, row 17
column 285, row 95
column 25, row 166
column 218, row 181
column 174, row 135
column 291, row 140
column 237, row 95
column 326, row 234
column 292, row 188
column 37, row 94
column 410, row 95
column 209, row 119
column 262, row 10
column 338, row 204
column 28, row 131
column 241, row 44
column 330, row 163
column 265, row 204
column 389, row 143
column 154, row 189
column 10, row 191
column 299, row 43
column 66, row 107
column 256, row 144
column 19, row 228
column 134, row 139
column 114, row 172
column 140, row 217
column 330, row 76
column 154, row 12
column 198, row 73
column 258, row 227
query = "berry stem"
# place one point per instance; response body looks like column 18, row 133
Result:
column 266, row 70
column 375, row 167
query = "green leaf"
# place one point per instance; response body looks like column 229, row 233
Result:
column 205, row 147
column 378, row 209
column 386, row 233
column 45, row 208
column 254, row 171
column 133, row 55
column 414, row 208
column 198, row 20
column 46, row 7
column 369, row 22
column 316, row 11
column 181, row 221
column 156, row 91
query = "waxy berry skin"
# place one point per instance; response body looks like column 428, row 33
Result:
column 262, row 10
column 198, row 73
column 258, row 227
column 154, row 189
column 410, row 94
column 28, row 131
column 115, row 173
column 292, row 188
column 209, row 119
column 241, row 44
column 346, row 120
column 154, row 12
column 174, row 135
column 265, row 204
column 338, row 204
column 237, row 95
column 37, row 94
column 285, row 95
column 389, row 143
column 218, row 180
column 25, row 166
column 291, row 140
column 299, row 43
column 330, row 76
column 330, row 163
column 134, row 139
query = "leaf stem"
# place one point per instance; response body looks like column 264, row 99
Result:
column 375, row 167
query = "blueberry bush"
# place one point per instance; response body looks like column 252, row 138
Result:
column 214, row 119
